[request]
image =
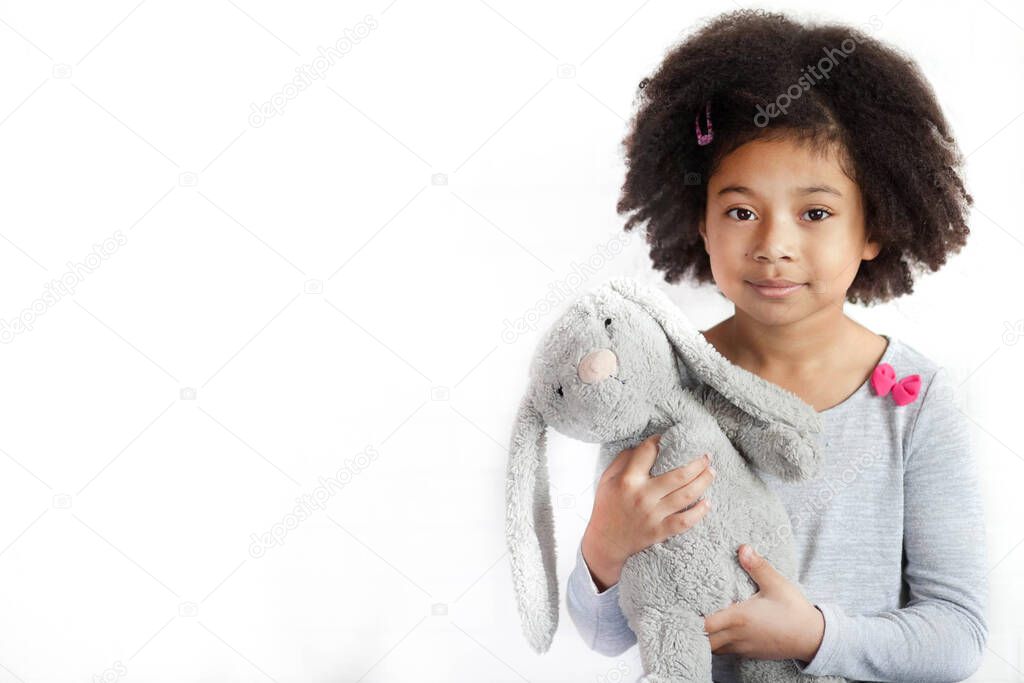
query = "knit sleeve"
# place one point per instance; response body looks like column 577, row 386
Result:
column 940, row 634
column 597, row 615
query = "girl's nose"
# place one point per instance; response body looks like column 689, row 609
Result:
column 597, row 366
column 773, row 242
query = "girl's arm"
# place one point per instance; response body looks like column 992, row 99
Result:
column 597, row 615
column 940, row 634
column 623, row 528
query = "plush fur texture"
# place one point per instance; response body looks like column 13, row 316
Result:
column 663, row 377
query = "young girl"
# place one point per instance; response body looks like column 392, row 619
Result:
column 820, row 170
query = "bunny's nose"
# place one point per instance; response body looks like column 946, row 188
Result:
column 597, row 366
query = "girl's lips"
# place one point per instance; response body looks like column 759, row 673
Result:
column 774, row 292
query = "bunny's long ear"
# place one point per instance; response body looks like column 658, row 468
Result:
column 529, row 528
column 752, row 394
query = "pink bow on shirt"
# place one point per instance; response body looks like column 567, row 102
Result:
column 904, row 390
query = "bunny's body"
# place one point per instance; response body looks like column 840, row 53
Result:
column 667, row 589
column 621, row 364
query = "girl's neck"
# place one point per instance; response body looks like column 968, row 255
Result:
column 802, row 348
column 822, row 359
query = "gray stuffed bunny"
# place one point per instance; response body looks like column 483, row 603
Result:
column 623, row 363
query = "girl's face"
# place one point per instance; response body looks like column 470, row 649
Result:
column 777, row 211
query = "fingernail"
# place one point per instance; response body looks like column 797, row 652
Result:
column 707, row 457
column 713, row 471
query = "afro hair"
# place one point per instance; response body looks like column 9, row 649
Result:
column 764, row 75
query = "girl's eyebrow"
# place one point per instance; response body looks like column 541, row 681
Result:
column 821, row 187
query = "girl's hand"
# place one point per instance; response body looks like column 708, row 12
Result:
column 777, row 622
column 633, row 510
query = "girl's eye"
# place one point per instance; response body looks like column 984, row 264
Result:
column 746, row 214
column 740, row 208
column 819, row 211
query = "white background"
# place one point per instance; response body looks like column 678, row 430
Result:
column 333, row 284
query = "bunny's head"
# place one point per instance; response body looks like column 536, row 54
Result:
column 600, row 368
column 600, row 374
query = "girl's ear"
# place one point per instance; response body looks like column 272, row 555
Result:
column 871, row 250
column 872, row 247
column 702, row 229
column 529, row 528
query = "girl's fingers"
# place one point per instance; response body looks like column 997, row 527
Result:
column 721, row 642
column 685, row 496
column 680, row 522
column 669, row 482
column 635, row 459
column 643, row 456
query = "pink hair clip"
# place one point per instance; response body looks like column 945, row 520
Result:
column 704, row 138
column 904, row 390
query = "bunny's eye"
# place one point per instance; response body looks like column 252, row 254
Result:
column 607, row 322
column 559, row 391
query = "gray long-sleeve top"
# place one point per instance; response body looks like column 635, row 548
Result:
column 889, row 538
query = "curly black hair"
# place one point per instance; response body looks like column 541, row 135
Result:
column 755, row 71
